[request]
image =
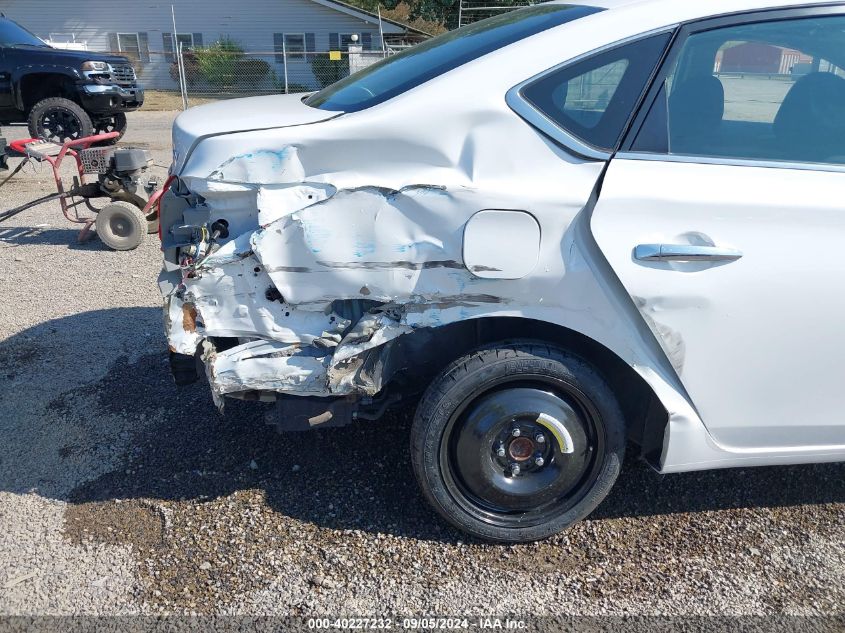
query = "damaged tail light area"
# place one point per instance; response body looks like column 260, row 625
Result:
column 157, row 203
column 306, row 284
column 302, row 277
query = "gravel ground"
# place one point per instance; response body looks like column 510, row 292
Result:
column 120, row 494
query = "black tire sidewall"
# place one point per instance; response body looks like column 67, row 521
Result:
column 122, row 124
column 468, row 375
column 59, row 103
column 116, row 242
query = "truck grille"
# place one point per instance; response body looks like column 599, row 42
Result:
column 123, row 73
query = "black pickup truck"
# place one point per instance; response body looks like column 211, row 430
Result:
column 63, row 95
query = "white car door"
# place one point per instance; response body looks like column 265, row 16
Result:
column 724, row 218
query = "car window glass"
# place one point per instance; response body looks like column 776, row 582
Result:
column 766, row 91
column 13, row 34
column 593, row 99
column 410, row 68
column 589, row 95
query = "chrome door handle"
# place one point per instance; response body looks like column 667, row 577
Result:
column 684, row 253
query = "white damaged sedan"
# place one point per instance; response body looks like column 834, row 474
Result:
column 558, row 230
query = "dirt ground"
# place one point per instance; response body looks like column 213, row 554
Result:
column 166, row 101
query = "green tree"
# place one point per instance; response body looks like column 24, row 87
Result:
column 440, row 12
column 443, row 11
column 429, row 15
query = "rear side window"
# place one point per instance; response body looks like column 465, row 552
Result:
column 415, row 66
column 593, row 99
column 771, row 91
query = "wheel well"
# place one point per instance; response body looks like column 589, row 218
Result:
column 424, row 353
column 38, row 86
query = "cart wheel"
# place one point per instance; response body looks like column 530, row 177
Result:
column 121, row 226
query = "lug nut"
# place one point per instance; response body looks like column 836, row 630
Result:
column 515, row 469
column 516, row 432
column 540, row 438
column 501, row 450
column 539, row 461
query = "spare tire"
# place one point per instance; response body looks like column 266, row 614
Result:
column 517, row 441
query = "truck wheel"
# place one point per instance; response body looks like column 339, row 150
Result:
column 115, row 123
column 121, row 226
column 59, row 120
column 515, row 442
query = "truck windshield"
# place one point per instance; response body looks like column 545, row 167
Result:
column 410, row 68
column 13, row 34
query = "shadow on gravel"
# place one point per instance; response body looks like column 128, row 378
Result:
column 37, row 235
column 358, row 477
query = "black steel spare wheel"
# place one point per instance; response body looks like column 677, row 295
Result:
column 514, row 443
column 59, row 120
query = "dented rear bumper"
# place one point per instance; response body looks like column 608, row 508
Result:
column 314, row 284
column 304, row 355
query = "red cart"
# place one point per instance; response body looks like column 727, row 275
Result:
column 123, row 222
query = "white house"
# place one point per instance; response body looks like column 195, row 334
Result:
column 143, row 30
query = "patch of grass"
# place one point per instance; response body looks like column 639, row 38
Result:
column 170, row 100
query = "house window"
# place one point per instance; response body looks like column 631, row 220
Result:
column 62, row 38
column 128, row 43
column 185, row 39
column 66, row 41
column 295, row 45
column 341, row 41
column 135, row 46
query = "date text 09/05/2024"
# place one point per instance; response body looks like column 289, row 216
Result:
column 425, row 623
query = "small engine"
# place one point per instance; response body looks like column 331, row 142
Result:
column 117, row 168
column 125, row 169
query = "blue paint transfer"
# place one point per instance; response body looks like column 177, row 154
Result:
column 363, row 248
column 316, row 236
column 278, row 158
column 460, row 279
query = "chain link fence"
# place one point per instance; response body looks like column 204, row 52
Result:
column 190, row 76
